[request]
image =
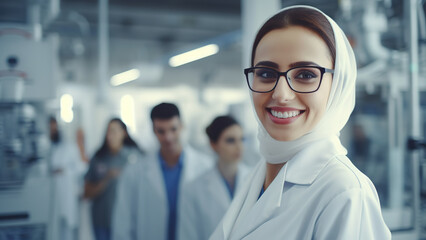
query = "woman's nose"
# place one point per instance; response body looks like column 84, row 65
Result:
column 283, row 92
column 240, row 146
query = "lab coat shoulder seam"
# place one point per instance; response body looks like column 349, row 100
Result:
column 354, row 174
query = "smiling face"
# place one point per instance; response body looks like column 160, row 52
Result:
column 229, row 146
column 285, row 114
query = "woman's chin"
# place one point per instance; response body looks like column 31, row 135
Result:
column 283, row 137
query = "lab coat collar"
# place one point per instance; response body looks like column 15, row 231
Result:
column 243, row 198
column 255, row 211
column 154, row 175
column 241, row 177
column 247, row 212
column 157, row 163
column 164, row 164
column 304, row 168
column 189, row 159
column 217, row 179
column 216, row 184
column 301, row 169
column 154, row 172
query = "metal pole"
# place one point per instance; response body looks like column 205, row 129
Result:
column 252, row 19
column 396, row 159
column 103, row 50
column 414, row 108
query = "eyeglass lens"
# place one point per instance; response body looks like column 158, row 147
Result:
column 306, row 79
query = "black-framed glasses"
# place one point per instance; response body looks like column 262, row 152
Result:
column 303, row 79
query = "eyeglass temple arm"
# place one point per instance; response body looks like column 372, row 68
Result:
column 328, row 70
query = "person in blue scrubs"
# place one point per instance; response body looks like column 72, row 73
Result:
column 149, row 196
column 167, row 128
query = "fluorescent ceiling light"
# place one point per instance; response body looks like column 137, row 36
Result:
column 125, row 77
column 128, row 112
column 193, row 55
column 67, row 114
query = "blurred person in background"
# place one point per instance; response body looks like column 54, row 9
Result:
column 101, row 179
column 149, row 198
column 67, row 168
column 207, row 197
column 81, row 145
column 360, row 148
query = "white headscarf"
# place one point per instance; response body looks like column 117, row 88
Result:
column 340, row 104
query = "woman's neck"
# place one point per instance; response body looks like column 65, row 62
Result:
column 115, row 150
column 228, row 171
column 272, row 171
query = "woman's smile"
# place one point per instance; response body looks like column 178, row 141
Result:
column 284, row 115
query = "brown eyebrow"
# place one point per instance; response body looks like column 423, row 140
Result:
column 291, row 65
column 302, row 63
column 267, row 64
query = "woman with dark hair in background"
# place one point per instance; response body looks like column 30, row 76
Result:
column 207, row 197
column 302, row 83
column 101, row 179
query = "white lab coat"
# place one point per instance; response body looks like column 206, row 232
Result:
column 314, row 196
column 65, row 156
column 204, row 203
column 141, row 208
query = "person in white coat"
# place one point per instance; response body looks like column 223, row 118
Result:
column 67, row 168
column 207, row 197
column 302, row 82
column 149, row 194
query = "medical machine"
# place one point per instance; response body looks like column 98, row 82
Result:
column 27, row 64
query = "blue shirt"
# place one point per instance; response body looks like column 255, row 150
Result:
column 171, row 179
column 230, row 189
column 261, row 192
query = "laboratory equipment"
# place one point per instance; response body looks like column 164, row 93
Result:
column 26, row 77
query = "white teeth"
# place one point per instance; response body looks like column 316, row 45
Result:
column 285, row 114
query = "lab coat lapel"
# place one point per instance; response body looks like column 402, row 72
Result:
column 217, row 186
column 241, row 176
column 257, row 213
column 188, row 158
column 244, row 200
column 189, row 170
column 156, row 179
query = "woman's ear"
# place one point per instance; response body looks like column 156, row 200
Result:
column 213, row 145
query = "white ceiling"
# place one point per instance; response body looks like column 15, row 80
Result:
column 146, row 32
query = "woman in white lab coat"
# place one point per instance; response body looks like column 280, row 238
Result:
column 302, row 82
column 206, row 198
